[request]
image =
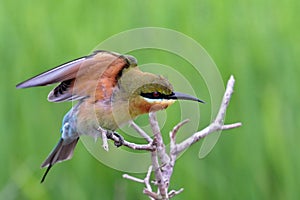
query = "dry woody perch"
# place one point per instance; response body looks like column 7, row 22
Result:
column 162, row 161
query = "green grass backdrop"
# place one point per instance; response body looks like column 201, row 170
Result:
column 257, row 41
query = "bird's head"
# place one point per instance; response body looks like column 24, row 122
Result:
column 145, row 92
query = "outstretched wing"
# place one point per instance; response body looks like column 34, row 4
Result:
column 90, row 76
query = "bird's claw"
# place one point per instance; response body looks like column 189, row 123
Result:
column 110, row 134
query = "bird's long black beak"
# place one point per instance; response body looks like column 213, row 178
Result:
column 182, row 96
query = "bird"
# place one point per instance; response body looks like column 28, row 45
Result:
column 110, row 91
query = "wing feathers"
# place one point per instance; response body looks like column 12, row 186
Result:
column 55, row 75
column 92, row 76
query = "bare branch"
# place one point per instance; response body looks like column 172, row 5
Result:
column 134, row 146
column 226, row 99
column 141, row 131
column 231, row 126
column 147, row 179
column 154, row 123
column 173, row 140
column 151, row 194
column 176, row 128
column 160, row 145
column 162, row 181
column 104, row 138
column 133, row 178
column 157, row 172
column 162, row 162
column 216, row 125
column 147, row 147
column 173, row 193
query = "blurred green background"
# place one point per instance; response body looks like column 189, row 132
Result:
column 257, row 41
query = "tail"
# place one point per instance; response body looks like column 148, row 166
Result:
column 62, row 151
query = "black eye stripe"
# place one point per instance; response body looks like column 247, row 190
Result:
column 153, row 95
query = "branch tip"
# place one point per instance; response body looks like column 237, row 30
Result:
column 231, row 126
column 177, row 127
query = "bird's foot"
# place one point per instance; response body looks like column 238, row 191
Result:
column 119, row 142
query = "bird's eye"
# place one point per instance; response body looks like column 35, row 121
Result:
column 155, row 94
column 152, row 95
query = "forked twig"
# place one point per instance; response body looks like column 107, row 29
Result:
column 163, row 162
